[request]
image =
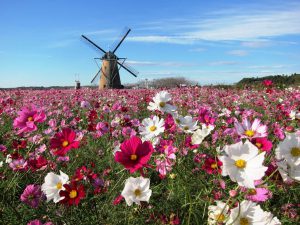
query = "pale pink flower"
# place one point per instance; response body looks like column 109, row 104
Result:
column 248, row 130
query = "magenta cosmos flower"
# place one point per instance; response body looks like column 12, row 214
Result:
column 248, row 130
column 27, row 119
column 262, row 144
column 134, row 154
column 63, row 141
column 32, row 195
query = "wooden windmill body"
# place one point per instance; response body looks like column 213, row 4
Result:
column 109, row 71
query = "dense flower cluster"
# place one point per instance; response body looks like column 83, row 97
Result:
column 152, row 156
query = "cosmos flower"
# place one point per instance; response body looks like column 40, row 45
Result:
column 134, row 154
column 38, row 222
column 248, row 212
column 187, row 124
column 260, row 194
column 85, row 104
column 200, row 134
column 27, row 119
column 289, row 149
column 263, row 144
column 151, row 128
column 136, row 190
column 288, row 172
column 32, row 195
column 63, row 142
column 212, row 166
column 53, row 185
column 160, row 102
column 217, row 213
column 18, row 164
column 72, row 194
column 248, row 130
column 243, row 163
column 267, row 83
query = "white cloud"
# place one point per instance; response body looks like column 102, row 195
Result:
column 254, row 27
column 238, row 52
column 159, row 63
column 223, row 63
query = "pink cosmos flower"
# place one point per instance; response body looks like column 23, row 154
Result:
column 267, row 83
column 262, row 144
column 128, row 132
column 32, row 195
column 102, row 128
column 38, row 222
column 18, row 165
column 248, row 130
column 166, row 160
column 63, row 142
column 258, row 194
column 27, row 119
column 134, row 154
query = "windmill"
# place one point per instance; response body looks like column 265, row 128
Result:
column 109, row 70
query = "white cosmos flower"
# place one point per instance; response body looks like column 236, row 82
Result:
column 243, row 163
column 53, row 185
column 250, row 213
column 289, row 149
column 136, row 190
column 217, row 213
column 288, row 172
column 8, row 159
column 160, row 102
column 187, row 124
column 294, row 115
column 270, row 219
column 151, row 128
column 199, row 135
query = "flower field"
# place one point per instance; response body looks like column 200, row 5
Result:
column 198, row 155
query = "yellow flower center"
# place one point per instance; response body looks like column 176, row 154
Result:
column 295, row 151
column 133, row 157
column 220, row 218
column 249, row 133
column 177, row 120
column 65, row 143
column 59, row 185
column 162, row 104
column 73, row 194
column 252, row 191
column 152, row 128
column 241, row 164
column 137, row 192
column 214, row 165
column 258, row 145
column 244, row 221
column 30, row 118
column 186, row 128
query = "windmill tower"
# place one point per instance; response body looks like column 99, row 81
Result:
column 77, row 82
column 109, row 70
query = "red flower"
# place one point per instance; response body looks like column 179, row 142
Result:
column 38, row 163
column 262, row 144
column 19, row 144
column 63, row 142
column 134, row 154
column 72, row 194
column 267, row 83
column 212, row 166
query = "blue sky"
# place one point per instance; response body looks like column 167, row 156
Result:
column 206, row 41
